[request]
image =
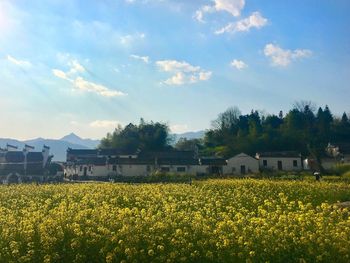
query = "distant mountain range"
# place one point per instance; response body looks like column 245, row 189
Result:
column 188, row 135
column 58, row 147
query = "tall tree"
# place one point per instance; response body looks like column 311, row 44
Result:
column 145, row 136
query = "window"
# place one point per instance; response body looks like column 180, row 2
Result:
column 265, row 163
column 90, row 168
column 295, row 163
column 114, row 168
column 148, row 168
column 165, row 169
column 181, row 169
column 81, row 168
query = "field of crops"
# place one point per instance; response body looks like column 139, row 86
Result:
column 208, row 221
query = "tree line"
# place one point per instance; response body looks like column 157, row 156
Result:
column 304, row 128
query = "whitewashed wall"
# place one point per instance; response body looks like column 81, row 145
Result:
column 287, row 163
column 234, row 164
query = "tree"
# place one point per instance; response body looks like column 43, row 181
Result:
column 185, row 144
column 145, row 136
column 344, row 119
column 227, row 120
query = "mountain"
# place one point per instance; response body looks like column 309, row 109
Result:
column 57, row 147
column 189, row 135
column 75, row 139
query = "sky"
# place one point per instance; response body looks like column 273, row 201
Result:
column 86, row 66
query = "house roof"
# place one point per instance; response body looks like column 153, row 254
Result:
column 35, row 157
column 284, row 154
column 212, row 161
column 135, row 161
column 92, row 161
column 175, row 161
column 168, row 154
column 242, row 155
column 114, row 152
column 82, row 151
column 14, row 157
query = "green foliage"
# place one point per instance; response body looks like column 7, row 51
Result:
column 145, row 136
column 301, row 129
column 184, row 144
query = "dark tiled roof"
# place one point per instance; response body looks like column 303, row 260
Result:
column 212, row 161
column 92, row 161
column 286, row 154
column 137, row 161
column 15, row 157
column 114, row 152
column 82, row 151
column 173, row 161
column 35, row 157
column 168, row 154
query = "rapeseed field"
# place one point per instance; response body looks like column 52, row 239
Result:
column 207, row 221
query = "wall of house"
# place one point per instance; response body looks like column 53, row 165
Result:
column 102, row 171
column 287, row 163
column 234, row 165
column 189, row 169
column 133, row 170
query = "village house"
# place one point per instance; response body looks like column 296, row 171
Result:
column 280, row 161
column 241, row 164
column 108, row 163
column 23, row 165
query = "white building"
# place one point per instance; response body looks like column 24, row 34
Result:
column 280, row 161
column 108, row 163
column 241, row 164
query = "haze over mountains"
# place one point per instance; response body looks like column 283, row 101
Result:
column 58, row 147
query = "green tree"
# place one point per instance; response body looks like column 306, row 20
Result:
column 145, row 136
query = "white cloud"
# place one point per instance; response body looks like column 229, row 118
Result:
column 130, row 38
column 238, row 64
column 255, row 20
column 233, row 7
column 84, row 85
column 178, row 79
column 184, row 73
column 143, row 58
column 104, row 124
column 177, row 66
column 60, row 74
column 22, row 63
column 283, row 57
column 75, row 67
column 205, row 75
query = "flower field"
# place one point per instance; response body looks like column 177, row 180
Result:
column 208, row 221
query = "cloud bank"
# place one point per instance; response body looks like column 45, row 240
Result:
column 184, row 73
column 283, row 57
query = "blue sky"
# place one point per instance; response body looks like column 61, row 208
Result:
column 86, row 66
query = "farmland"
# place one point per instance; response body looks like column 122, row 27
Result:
column 208, row 221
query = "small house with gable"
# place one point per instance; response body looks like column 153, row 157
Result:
column 280, row 161
column 241, row 164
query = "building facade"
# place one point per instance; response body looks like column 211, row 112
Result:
column 280, row 161
column 241, row 164
column 109, row 163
